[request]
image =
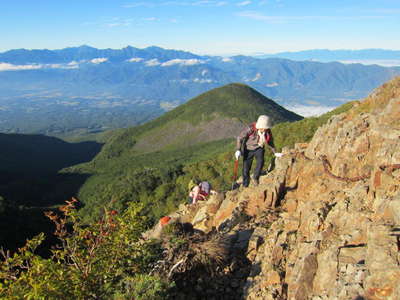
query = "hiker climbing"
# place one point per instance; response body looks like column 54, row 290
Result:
column 250, row 144
column 199, row 191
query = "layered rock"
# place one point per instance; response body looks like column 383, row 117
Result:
column 338, row 236
column 325, row 224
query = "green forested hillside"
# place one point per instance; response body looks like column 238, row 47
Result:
column 158, row 179
column 152, row 163
column 214, row 115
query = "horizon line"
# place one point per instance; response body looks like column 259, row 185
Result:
column 233, row 53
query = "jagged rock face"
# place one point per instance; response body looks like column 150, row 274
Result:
column 338, row 234
column 326, row 222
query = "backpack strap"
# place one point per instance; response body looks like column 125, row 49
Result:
column 253, row 129
column 268, row 135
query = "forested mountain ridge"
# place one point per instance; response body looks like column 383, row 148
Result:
column 215, row 115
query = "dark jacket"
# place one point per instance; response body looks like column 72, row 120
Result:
column 250, row 138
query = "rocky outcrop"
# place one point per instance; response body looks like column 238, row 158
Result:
column 325, row 224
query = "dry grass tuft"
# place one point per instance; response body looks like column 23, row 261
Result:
column 211, row 253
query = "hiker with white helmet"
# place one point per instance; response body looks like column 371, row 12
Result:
column 250, row 144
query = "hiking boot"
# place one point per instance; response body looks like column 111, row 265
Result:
column 235, row 186
column 242, row 187
column 255, row 182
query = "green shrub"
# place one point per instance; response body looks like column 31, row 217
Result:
column 143, row 287
column 91, row 262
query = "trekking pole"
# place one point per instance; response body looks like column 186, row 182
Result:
column 235, row 171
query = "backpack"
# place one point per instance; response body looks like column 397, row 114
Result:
column 205, row 187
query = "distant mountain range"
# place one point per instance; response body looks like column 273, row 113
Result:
column 366, row 56
column 88, row 89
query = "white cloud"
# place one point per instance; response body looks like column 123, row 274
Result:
column 388, row 11
column 137, row 4
column 118, row 24
column 204, row 72
column 308, row 110
column 260, row 17
column 203, row 2
column 152, row 62
column 272, row 84
column 54, row 66
column 150, row 19
column 254, row 15
column 68, row 103
column 216, row 3
column 195, row 80
column 244, row 3
column 227, row 59
column 380, row 62
column 135, row 59
column 257, row 77
column 199, row 80
column 73, row 63
column 98, row 60
column 210, row 3
column 182, row 62
column 61, row 66
column 11, row 67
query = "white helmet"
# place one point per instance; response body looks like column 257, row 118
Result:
column 263, row 122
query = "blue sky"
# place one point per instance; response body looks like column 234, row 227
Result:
column 201, row 26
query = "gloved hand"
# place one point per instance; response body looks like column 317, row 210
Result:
column 278, row 154
column 237, row 154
